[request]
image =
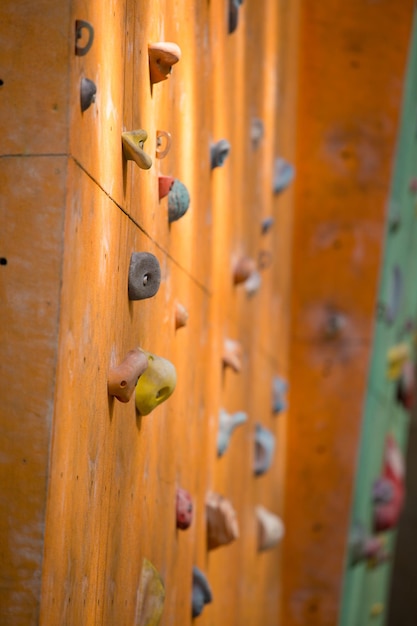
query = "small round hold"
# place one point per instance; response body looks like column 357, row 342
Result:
column 184, row 509
column 181, row 315
column 284, row 173
column 88, row 92
column 178, row 201
column 234, row 6
column 201, row 592
column 243, row 269
column 256, row 131
column 267, row 224
column 144, row 276
column 219, row 153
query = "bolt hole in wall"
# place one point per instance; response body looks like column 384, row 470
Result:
column 1, row 82
column 3, row 261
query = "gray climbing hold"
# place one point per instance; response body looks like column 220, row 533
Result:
column 144, row 276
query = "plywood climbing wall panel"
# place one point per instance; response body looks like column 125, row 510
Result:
column 31, row 254
column 348, row 109
column 113, row 475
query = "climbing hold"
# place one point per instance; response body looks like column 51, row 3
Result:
column 227, row 423
column 283, row 174
column 81, row 25
column 264, row 450
column 164, row 185
column 270, row 528
column 376, row 609
column 366, row 547
column 388, row 491
column 219, row 152
column 144, row 276
column 406, row 389
column 267, row 224
column 181, row 315
column 162, row 136
column 156, row 384
column 279, row 390
column 88, row 92
column 184, row 509
column 150, row 596
column 178, row 201
column 201, row 592
column 232, row 354
column 132, row 143
column 162, row 56
column 222, row 525
column 122, row 380
column 335, row 324
column 396, row 357
column 253, row 283
column 178, row 196
column 393, row 305
column 243, row 269
column 256, row 131
column 234, row 6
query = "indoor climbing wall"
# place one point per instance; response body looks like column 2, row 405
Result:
column 380, row 480
column 351, row 87
column 91, row 511
column 194, row 201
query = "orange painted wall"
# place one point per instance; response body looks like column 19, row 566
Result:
column 351, row 72
column 88, row 487
column 101, row 496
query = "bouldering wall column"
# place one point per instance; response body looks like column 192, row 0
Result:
column 350, row 92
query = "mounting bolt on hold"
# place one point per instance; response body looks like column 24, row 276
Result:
column 144, row 276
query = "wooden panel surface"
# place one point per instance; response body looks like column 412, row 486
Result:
column 34, row 53
column 31, row 210
column 113, row 475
